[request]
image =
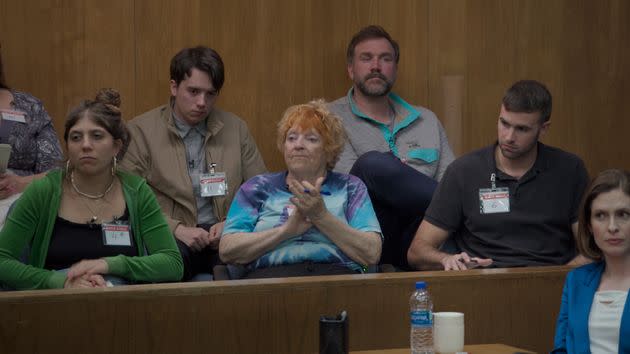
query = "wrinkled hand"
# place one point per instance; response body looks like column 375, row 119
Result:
column 88, row 267
column 194, row 237
column 463, row 261
column 296, row 224
column 214, row 235
column 85, row 281
column 307, row 199
column 9, row 185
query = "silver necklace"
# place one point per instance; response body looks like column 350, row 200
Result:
column 90, row 196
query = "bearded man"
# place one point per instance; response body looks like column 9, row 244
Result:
column 400, row 151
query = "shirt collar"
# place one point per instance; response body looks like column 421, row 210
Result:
column 355, row 109
column 405, row 113
column 540, row 165
column 183, row 128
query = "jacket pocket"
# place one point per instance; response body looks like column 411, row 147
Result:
column 426, row 155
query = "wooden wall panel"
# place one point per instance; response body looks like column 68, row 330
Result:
column 161, row 28
column 447, row 61
column 108, row 52
column 64, row 51
column 575, row 47
column 281, row 52
column 276, row 53
column 596, row 86
column 33, row 52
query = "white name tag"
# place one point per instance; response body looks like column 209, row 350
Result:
column 494, row 200
column 116, row 235
column 14, row 116
column 213, row 184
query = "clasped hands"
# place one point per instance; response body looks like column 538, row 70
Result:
column 87, row 274
column 309, row 206
column 197, row 238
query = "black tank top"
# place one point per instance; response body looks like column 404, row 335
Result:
column 71, row 242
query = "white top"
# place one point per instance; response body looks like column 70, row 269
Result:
column 604, row 320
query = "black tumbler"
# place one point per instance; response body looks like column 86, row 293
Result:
column 333, row 334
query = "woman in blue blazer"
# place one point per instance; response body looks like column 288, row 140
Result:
column 595, row 314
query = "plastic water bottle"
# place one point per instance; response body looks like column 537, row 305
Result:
column 421, row 320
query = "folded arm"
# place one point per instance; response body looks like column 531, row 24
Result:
column 361, row 246
column 245, row 247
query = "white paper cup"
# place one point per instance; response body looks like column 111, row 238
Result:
column 448, row 332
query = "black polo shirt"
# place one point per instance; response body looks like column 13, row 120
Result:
column 543, row 205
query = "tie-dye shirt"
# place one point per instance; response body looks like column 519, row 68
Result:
column 262, row 203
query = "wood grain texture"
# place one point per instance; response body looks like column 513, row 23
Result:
column 64, row 51
column 281, row 52
column 516, row 306
column 575, row 47
column 473, row 348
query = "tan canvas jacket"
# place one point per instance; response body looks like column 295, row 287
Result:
column 157, row 153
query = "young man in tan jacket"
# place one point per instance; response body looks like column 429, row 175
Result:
column 194, row 156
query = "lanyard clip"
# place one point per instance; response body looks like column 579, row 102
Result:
column 493, row 179
column 212, row 166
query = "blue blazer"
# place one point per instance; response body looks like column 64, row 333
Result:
column 572, row 326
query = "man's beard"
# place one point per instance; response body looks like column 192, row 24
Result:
column 375, row 90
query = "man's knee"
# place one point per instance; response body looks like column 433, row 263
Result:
column 375, row 162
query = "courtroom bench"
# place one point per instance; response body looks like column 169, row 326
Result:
column 516, row 306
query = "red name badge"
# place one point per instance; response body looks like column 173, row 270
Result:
column 116, row 235
column 495, row 200
column 213, row 184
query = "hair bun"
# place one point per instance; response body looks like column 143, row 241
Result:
column 109, row 97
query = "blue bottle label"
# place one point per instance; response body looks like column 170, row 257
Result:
column 421, row 318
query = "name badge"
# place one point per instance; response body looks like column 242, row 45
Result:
column 116, row 235
column 494, row 200
column 13, row 116
column 213, row 184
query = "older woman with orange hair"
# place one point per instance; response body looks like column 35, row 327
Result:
column 307, row 220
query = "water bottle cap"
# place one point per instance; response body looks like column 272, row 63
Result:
column 421, row 285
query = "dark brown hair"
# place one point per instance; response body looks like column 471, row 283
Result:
column 371, row 32
column 528, row 96
column 606, row 181
column 201, row 58
column 104, row 110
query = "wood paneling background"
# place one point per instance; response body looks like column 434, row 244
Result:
column 283, row 52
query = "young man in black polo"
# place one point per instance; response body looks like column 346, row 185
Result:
column 513, row 203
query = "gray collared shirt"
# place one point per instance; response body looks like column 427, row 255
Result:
column 193, row 138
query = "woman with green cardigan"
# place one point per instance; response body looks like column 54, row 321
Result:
column 88, row 222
